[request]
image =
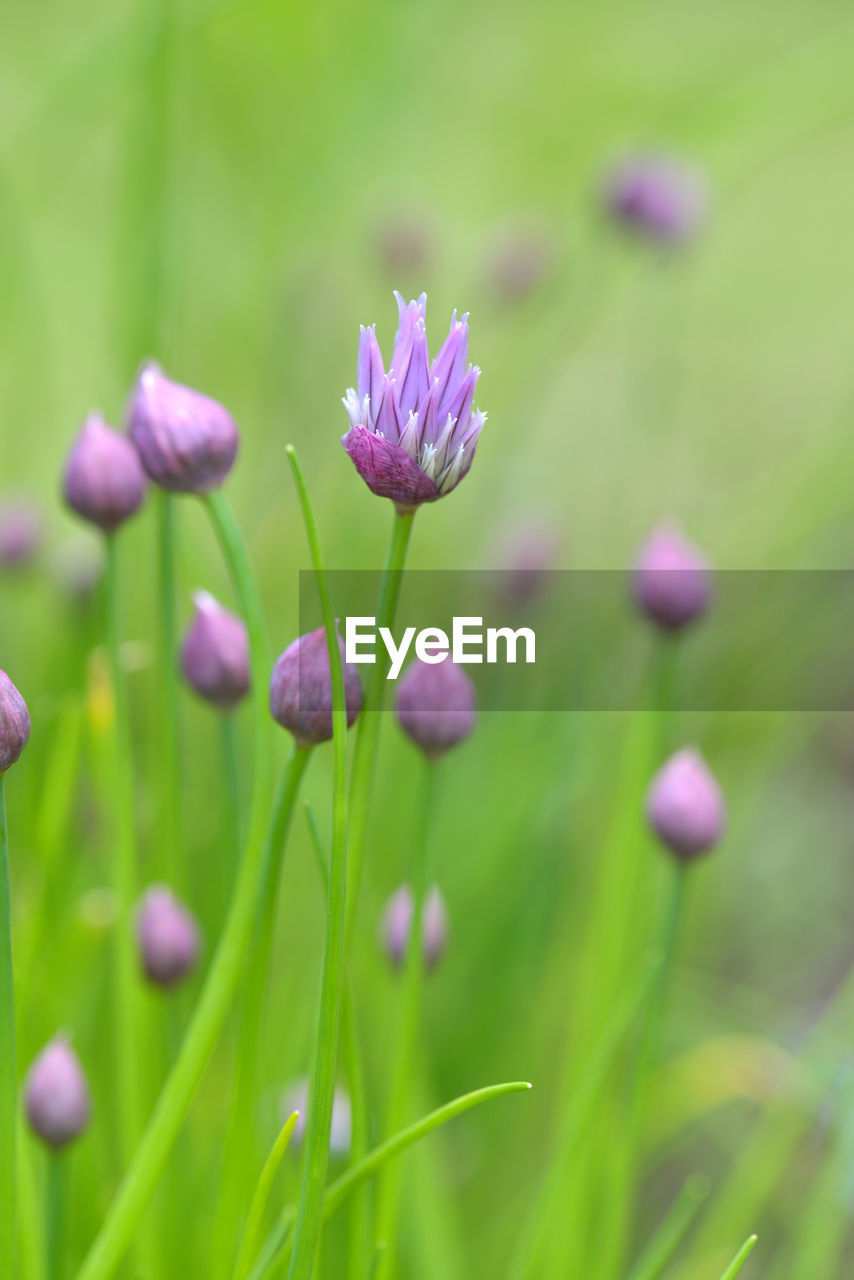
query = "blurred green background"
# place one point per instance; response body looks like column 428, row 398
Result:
column 232, row 189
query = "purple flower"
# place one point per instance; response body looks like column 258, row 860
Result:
column 672, row 580
column 215, row 653
column 436, row 705
column 656, row 197
column 14, row 723
column 685, row 806
column 295, row 1098
column 186, row 440
column 413, row 429
column 396, row 926
column 301, row 691
column 56, row 1096
column 168, row 937
column 103, row 482
column 20, row 533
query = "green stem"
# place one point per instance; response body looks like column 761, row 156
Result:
column 230, row 958
column 740, row 1258
column 124, row 861
column 169, row 736
column 55, row 1212
column 8, row 1085
column 319, row 1119
column 231, row 798
column 409, row 1018
column 659, row 1252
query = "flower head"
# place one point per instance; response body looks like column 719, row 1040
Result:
column 396, row 926
column 186, row 440
column 413, row 428
column 301, row 690
column 20, row 533
column 215, row 653
column 56, row 1096
column 436, row 705
column 685, row 806
column 656, row 197
column 672, row 580
column 14, row 723
column 168, row 937
column 103, row 482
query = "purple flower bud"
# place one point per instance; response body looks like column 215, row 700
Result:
column 656, row 197
column 295, row 1098
column 14, row 723
column 301, row 691
column 396, row 926
column 436, row 705
column 103, row 480
column 215, row 653
column 168, row 937
column 685, row 806
column 186, row 440
column 20, row 533
column 527, row 553
column 56, row 1095
column 435, row 928
column 672, row 580
column 413, row 429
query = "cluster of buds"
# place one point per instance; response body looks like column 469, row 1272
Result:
column 396, row 926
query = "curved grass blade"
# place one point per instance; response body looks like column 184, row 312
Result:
column 261, row 1198
column 667, row 1239
column 740, row 1258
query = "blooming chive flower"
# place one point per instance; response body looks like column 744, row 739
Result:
column 396, row 926
column 20, row 533
column 436, row 706
column 56, row 1096
column 656, row 197
column 14, row 723
column 168, row 937
column 301, row 691
column 685, row 806
column 413, row 429
column 103, row 482
column 215, row 653
column 186, row 440
column 672, row 580
column 295, row 1098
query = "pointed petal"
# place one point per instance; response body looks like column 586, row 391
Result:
column 450, row 363
column 460, row 407
column 371, row 373
column 387, row 417
column 410, row 314
column 415, row 382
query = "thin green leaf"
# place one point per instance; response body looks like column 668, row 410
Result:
column 261, row 1198
column 740, row 1258
column 673, row 1229
column 317, row 845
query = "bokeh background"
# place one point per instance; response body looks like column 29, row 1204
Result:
column 232, row 189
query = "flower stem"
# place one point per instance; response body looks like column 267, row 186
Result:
column 169, row 736
column 55, row 1212
column 8, row 1087
column 230, row 958
column 231, row 803
column 319, row 1118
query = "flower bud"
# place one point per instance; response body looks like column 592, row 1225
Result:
column 672, row 580
column 685, row 806
column 295, row 1098
column 215, row 653
column 168, row 937
column 14, row 723
column 186, row 440
column 20, row 533
column 656, row 197
column 436, row 705
column 301, row 691
column 103, row 481
column 56, row 1096
column 526, row 553
column 396, row 926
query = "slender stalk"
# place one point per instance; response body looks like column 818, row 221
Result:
column 55, row 1212
column 740, row 1258
column 319, row 1119
column 409, row 1017
column 124, row 862
column 659, row 1252
column 228, row 962
column 231, row 799
column 261, row 1197
column 169, row 735
column 8, row 1085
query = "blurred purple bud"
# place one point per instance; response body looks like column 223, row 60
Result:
column 435, row 927
column 413, row 429
column 519, row 260
column 168, row 937
column 436, row 705
column 527, row 553
column 295, row 1098
column 215, row 653
column 656, row 197
column 186, row 440
column 403, row 242
column 20, row 533
column 396, row 926
column 79, row 566
column 14, row 723
column 685, row 806
column 301, row 691
column 672, row 580
column 103, row 481
column 56, row 1096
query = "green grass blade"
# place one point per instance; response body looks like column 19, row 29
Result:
column 740, row 1258
column 261, row 1198
column 667, row 1239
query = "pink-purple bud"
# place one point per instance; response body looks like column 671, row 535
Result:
column 168, row 937
column 396, row 926
column 14, row 723
column 56, row 1096
column 301, row 691
column 295, row 1098
column 215, row 653
column 657, row 197
column 103, row 480
column 186, row 440
column 20, row 533
column 685, row 806
column 436, row 705
column 672, row 580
